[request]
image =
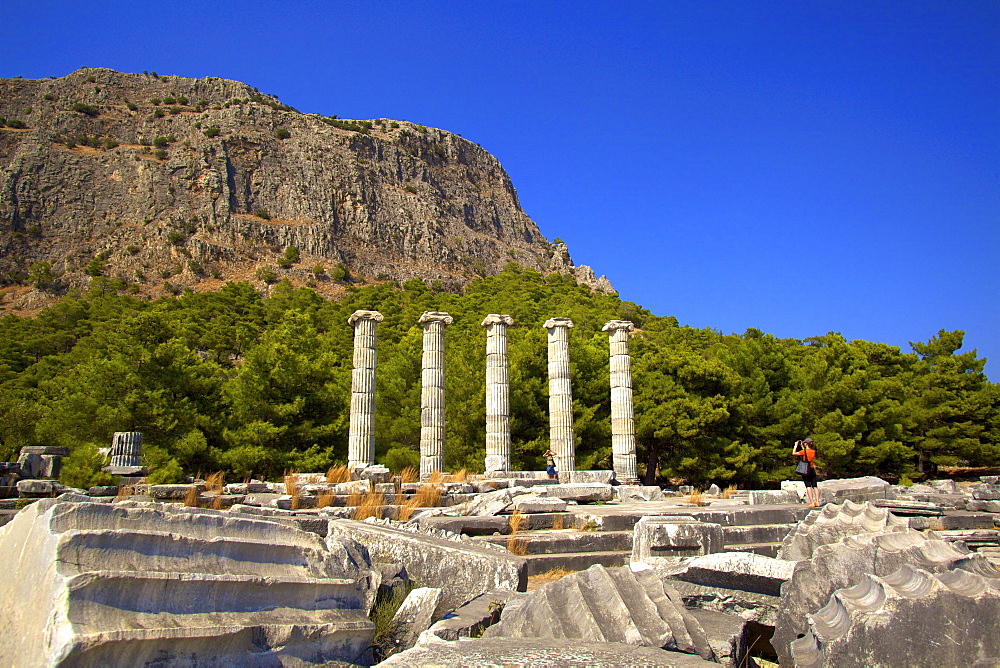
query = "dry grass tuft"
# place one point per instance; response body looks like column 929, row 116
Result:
column 515, row 545
column 436, row 476
column 325, row 499
column 292, row 488
column 191, row 498
column 461, row 476
column 372, row 505
column 338, row 474
column 729, row 492
column 409, row 474
column 697, row 498
column 557, row 522
column 217, row 503
column 215, row 482
column 428, row 496
column 124, row 492
column 406, row 509
column 354, row 499
column 536, row 581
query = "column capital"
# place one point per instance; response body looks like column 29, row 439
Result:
column 435, row 316
column 364, row 315
column 557, row 322
column 614, row 325
column 497, row 319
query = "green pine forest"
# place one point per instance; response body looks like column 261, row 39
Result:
column 255, row 386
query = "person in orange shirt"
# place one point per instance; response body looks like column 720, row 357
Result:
column 805, row 450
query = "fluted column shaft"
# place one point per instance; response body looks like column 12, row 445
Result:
column 432, row 393
column 622, row 411
column 560, row 394
column 497, row 393
column 126, row 449
column 361, row 438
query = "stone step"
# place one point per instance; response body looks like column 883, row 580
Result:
column 756, row 533
column 613, row 517
column 226, row 645
column 574, row 561
column 763, row 549
column 568, row 540
column 149, row 551
column 111, row 600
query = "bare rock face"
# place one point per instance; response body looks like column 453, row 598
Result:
column 138, row 583
column 153, row 178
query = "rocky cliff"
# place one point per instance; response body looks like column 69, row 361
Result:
column 162, row 181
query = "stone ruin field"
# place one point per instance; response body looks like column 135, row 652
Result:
column 367, row 569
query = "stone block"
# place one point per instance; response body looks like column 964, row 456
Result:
column 772, row 497
column 471, row 619
column 986, row 493
column 534, row 504
column 603, row 477
column 539, row 652
column 460, row 569
column 907, row 618
column 947, row 486
column 845, row 563
column 990, row 479
column 414, row 616
column 375, row 474
column 39, row 488
column 858, row 490
column 135, row 584
column 588, row 492
column 634, row 493
column 662, row 537
column 738, row 570
column 263, row 500
column 490, row 503
column 834, row 522
column 173, row 492
column 469, row 526
column 107, row 490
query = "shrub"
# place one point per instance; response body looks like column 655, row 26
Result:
column 131, row 106
column 339, row 273
column 155, row 101
column 169, row 100
column 175, row 110
column 263, row 213
column 266, row 274
column 95, row 267
column 82, row 468
column 16, row 124
column 212, row 132
column 85, row 109
column 41, row 275
column 158, row 113
column 176, row 238
column 195, row 267
column 318, row 271
column 49, row 96
column 282, row 133
column 160, row 142
column 160, row 155
column 410, row 189
column 290, row 257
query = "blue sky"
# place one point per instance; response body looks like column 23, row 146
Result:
column 798, row 167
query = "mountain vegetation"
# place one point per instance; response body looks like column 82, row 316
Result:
column 254, row 385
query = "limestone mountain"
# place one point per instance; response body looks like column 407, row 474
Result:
column 162, row 181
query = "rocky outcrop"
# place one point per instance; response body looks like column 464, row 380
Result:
column 152, row 178
column 138, row 583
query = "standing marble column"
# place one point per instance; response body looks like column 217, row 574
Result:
column 560, row 394
column 622, row 424
column 126, row 449
column 497, row 393
column 432, row 393
column 361, row 439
